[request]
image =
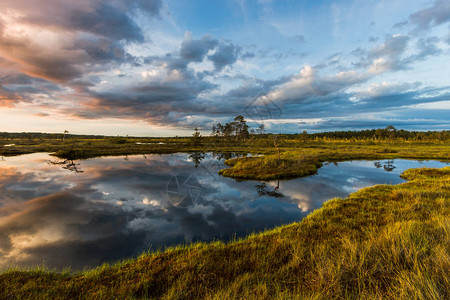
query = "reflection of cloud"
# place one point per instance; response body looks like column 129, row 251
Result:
column 118, row 208
column 309, row 193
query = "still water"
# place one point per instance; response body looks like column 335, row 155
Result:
column 84, row 213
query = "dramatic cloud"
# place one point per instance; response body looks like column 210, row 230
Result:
column 97, row 17
column 195, row 50
column 226, row 54
column 308, row 84
column 79, row 37
column 391, row 55
column 386, row 56
column 139, row 61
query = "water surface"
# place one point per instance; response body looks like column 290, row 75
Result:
column 84, row 213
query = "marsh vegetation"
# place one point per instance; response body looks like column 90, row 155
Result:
column 386, row 241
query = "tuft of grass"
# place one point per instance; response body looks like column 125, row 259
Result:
column 382, row 242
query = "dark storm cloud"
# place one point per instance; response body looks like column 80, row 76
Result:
column 195, row 50
column 91, row 35
column 91, row 16
column 101, row 21
column 81, row 85
column 226, row 54
column 103, row 50
column 168, row 99
column 35, row 86
column 18, row 87
column 155, row 102
column 244, row 98
column 59, row 65
column 369, row 111
column 171, row 98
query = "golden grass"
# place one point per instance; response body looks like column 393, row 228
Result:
column 383, row 242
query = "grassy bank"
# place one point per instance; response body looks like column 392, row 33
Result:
column 305, row 159
column 82, row 148
column 380, row 242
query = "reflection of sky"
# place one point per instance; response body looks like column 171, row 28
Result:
column 118, row 208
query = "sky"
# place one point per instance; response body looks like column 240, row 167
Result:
column 164, row 67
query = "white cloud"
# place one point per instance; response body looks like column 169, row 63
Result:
column 379, row 65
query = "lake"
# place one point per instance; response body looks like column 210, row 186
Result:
column 81, row 214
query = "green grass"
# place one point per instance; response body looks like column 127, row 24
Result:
column 305, row 159
column 297, row 158
column 79, row 148
column 382, row 242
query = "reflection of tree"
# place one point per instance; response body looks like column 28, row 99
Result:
column 389, row 165
column 223, row 156
column 263, row 191
column 197, row 157
column 68, row 164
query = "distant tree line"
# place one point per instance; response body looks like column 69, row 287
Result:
column 45, row 136
column 238, row 131
column 388, row 133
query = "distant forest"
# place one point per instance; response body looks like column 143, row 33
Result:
column 384, row 134
column 241, row 131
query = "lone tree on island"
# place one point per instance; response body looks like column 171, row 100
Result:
column 196, row 137
column 64, row 135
